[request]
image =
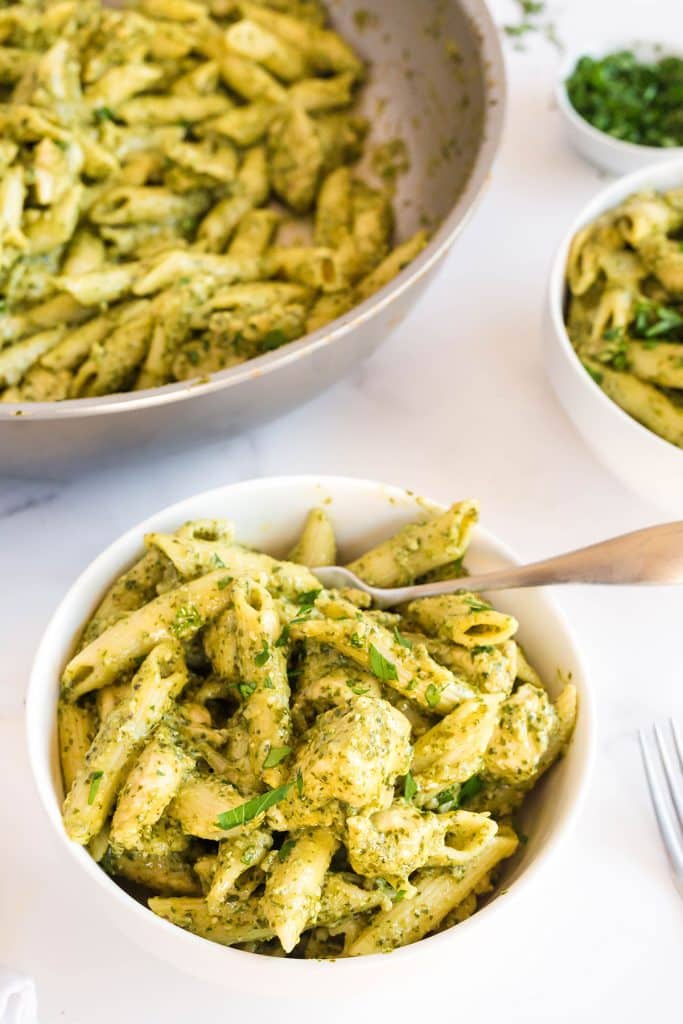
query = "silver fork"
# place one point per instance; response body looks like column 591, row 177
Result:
column 652, row 555
column 668, row 809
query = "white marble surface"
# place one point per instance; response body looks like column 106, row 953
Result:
column 454, row 404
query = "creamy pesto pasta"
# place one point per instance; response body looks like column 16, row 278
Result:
column 177, row 190
column 625, row 308
column 282, row 768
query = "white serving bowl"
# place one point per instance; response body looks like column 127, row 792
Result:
column 643, row 460
column 599, row 148
column 268, row 514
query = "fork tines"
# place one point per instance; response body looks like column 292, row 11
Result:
column 664, row 774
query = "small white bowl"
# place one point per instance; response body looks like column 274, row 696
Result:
column 268, row 514
column 597, row 147
column 643, row 460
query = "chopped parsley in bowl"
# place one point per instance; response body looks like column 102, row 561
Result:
column 633, row 100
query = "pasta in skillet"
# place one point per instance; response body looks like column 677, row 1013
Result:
column 625, row 312
column 279, row 767
column 155, row 163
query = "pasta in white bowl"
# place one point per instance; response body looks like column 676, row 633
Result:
column 280, row 768
column 644, row 461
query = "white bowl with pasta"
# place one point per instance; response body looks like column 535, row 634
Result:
column 644, row 461
column 267, row 515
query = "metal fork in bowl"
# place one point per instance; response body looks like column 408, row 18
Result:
column 668, row 808
column 652, row 555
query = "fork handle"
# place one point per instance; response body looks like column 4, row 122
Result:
column 650, row 556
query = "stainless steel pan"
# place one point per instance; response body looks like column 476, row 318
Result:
column 437, row 82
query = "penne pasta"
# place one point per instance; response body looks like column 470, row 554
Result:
column 140, row 149
column 282, row 767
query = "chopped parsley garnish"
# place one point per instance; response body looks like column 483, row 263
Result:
column 285, row 850
column 447, row 799
column 246, row 690
column 186, row 623
column 273, row 339
column 275, row 755
column 104, row 114
column 452, row 798
column 268, row 683
column 95, row 779
column 262, row 657
column 483, row 649
column 410, row 787
column 475, row 605
column 432, row 695
column 217, row 561
column 356, row 640
column 520, row 29
column 404, row 641
column 595, row 374
column 528, row 13
column 470, row 788
column 632, row 100
column 653, row 320
column 252, row 808
column 395, row 895
column 355, row 686
column 284, row 636
column 224, row 582
column 380, row 667
column 615, row 352
column 306, row 602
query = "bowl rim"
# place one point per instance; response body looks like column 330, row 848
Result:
column 602, row 201
column 42, row 678
column 495, row 91
column 659, row 153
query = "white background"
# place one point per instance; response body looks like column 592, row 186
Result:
column 454, row 404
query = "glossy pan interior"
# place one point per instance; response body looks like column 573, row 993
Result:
column 437, row 82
